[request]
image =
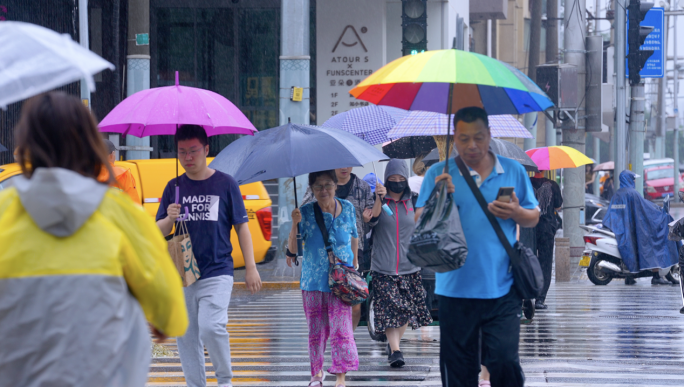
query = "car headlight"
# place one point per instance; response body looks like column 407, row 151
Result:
column 595, row 203
column 650, row 189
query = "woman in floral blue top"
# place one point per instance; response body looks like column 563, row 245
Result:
column 326, row 315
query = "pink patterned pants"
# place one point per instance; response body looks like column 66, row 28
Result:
column 327, row 316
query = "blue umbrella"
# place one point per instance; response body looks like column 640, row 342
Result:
column 370, row 123
column 292, row 150
column 2, row 148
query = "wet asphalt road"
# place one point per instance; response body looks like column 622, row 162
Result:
column 614, row 335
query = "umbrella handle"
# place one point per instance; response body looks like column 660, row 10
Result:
column 187, row 212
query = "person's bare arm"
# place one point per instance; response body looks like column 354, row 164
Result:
column 419, row 212
column 252, row 278
column 355, row 250
column 380, row 192
column 292, row 238
column 512, row 210
column 166, row 224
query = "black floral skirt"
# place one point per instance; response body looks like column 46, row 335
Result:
column 399, row 299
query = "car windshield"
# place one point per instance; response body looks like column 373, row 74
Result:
column 660, row 174
column 7, row 182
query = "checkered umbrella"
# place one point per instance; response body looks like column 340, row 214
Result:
column 424, row 123
column 370, row 123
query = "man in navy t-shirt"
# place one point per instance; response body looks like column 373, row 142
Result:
column 214, row 206
column 478, row 303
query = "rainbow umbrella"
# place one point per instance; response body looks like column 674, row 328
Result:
column 444, row 81
column 557, row 157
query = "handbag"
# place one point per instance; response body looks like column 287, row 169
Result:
column 345, row 282
column 528, row 278
column 180, row 249
column 438, row 242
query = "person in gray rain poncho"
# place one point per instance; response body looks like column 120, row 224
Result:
column 397, row 283
column 640, row 228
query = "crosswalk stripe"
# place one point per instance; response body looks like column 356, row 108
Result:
column 608, row 336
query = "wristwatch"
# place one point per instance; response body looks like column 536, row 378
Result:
column 289, row 253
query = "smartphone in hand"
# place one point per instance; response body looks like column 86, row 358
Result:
column 505, row 194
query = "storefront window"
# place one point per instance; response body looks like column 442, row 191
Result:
column 231, row 48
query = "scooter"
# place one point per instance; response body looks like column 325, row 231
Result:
column 603, row 261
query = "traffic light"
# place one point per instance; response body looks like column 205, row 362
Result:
column 413, row 26
column 636, row 35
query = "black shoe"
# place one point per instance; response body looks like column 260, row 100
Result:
column 630, row 281
column 681, row 310
column 396, row 359
column 539, row 304
column 528, row 309
column 659, row 281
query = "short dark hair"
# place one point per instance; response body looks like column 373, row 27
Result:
column 191, row 132
column 470, row 114
column 315, row 175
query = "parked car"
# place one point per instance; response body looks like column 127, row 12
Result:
column 151, row 177
column 659, row 182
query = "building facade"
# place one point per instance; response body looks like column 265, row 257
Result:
column 233, row 47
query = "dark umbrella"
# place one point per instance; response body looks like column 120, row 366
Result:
column 292, row 150
column 409, row 147
column 2, row 148
column 499, row 147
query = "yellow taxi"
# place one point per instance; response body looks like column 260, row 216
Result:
column 151, row 177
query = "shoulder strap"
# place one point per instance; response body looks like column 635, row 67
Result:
column 483, row 204
column 318, row 214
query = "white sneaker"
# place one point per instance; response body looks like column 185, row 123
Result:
column 225, row 385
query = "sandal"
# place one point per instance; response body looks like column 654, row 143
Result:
column 316, row 379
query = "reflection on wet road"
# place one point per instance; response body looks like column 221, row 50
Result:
column 614, row 335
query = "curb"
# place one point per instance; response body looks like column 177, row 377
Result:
column 270, row 285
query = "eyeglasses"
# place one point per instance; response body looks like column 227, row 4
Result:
column 328, row 187
column 192, row 153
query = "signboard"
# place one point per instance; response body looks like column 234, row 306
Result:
column 655, row 65
column 349, row 49
column 296, row 94
column 142, row 39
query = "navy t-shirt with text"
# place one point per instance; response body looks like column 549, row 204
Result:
column 214, row 206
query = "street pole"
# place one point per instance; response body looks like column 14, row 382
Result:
column 295, row 65
column 551, row 57
column 597, row 157
column 661, row 125
column 676, row 107
column 574, row 134
column 636, row 134
column 620, row 90
column 138, row 68
column 530, row 122
column 83, row 38
column 661, row 121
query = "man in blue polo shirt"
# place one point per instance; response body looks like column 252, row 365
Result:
column 479, row 297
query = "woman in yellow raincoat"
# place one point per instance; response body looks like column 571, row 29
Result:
column 81, row 266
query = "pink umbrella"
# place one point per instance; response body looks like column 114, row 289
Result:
column 161, row 110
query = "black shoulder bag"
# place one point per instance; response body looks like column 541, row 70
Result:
column 528, row 278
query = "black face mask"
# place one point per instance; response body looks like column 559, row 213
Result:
column 397, row 186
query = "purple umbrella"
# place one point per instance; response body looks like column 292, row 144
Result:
column 160, row 111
